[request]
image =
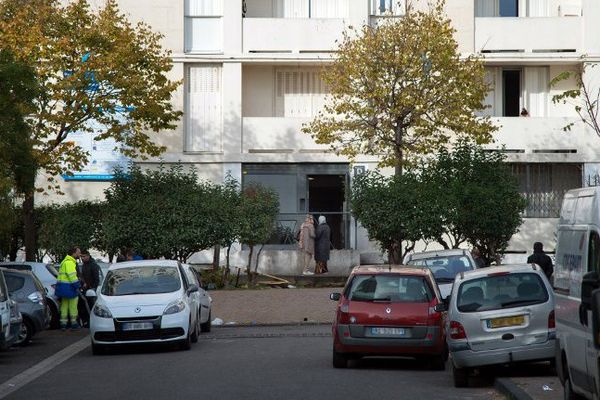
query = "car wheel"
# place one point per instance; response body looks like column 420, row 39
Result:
column 196, row 331
column 205, row 327
column 54, row 316
column 568, row 392
column 25, row 333
column 98, row 349
column 460, row 376
column 186, row 344
column 339, row 360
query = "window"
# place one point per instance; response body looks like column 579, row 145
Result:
column 141, row 280
column 204, row 110
column 593, row 253
column 544, row 186
column 388, row 7
column 511, row 85
column 394, row 288
column 444, row 269
column 497, row 8
column 312, row 8
column 299, row 93
column 509, row 8
column 3, row 294
column 500, row 292
column 204, row 26
column 14, row 283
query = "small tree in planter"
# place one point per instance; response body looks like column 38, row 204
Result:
column 258, row 210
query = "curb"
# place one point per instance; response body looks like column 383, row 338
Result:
column 508, row 388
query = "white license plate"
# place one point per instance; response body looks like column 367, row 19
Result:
column 136, row 326
column 387, row 331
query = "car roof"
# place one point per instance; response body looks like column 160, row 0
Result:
column 437, row 253
column 30, row 263
column 16, row 271
column 144, row 263
column 481, row 272
column 391, row 269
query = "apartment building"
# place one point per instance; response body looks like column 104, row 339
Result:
column 250, row 72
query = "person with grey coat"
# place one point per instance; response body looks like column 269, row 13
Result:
column 322, row 245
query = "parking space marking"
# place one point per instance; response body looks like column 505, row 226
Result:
column 22, row 379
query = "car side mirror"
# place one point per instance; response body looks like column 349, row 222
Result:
column 441, row 307
column 590, row 282
column 192, row 289
column 335, row 296
column 596, row 318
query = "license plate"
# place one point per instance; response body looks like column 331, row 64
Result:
column 136, row 326
column 387, row 331
column 506, row 321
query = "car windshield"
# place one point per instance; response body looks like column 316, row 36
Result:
column 390, row 288
column 141, row 280
column 444, row 268
column 498, row 291
column 52, row 270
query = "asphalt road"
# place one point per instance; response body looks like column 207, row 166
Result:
column 245, row 363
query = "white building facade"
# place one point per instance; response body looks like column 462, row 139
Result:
column 250, row 80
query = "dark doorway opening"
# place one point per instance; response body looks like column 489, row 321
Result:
column 509, row 8
column 511, row 80
column 326, row 196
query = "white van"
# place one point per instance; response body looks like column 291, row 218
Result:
column 576, row 280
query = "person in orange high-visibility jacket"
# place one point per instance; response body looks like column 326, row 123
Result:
column 67, row 288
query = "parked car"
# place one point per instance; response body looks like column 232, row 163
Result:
column 389, row 311
column 444, row 264
column 47, row 274
column 500, row 315
column 204, row 299
column 28, row 292
column 576, row 280
column 16, row 321
column 145, row 302
column 5, row 312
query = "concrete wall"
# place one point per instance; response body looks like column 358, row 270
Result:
column 258, row 93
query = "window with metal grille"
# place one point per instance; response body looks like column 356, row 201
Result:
column 543, row 185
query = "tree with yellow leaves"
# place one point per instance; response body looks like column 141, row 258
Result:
column 93, row 65
column 401, row 89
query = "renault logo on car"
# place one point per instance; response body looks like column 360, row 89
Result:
column 138, row 309
column 388, row 310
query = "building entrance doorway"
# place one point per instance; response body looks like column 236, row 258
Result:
column 326, row 196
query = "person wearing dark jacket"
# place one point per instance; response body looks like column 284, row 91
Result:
column 540, row 258
column 90, row 275
column 322, row 245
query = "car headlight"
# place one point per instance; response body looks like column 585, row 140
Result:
column 36, row 297
column 174, row 307
column 101, row 311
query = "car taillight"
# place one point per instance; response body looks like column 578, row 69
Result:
column 551, row 320
column 457, row 331
column 344, row 316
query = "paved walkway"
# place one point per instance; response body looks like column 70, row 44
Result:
column 274, row 306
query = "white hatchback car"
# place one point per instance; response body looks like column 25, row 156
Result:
column 500, row 315
column 149, row 301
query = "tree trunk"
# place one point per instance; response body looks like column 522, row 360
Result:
column 14, row 247
column 216, row 257
column 249, row 267
column 258, row 258
column 29, row 227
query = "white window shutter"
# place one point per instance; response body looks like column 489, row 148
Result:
column 291, row 9
column 329, row 8
column 538, row 8
column 536, row 93
column 204, row 7
column 490, row 97
column 205, row 120
column 487, row 8
column 299, row 93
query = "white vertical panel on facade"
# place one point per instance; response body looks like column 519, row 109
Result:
column 205, row 117
column 538, row 8
column 383, row 7
column 204, row 34
column 536, row 88
column 329, row 8
column 204, row 8
column 299, row 93
column 291, row 8
column 490, row 97
column 487, row 8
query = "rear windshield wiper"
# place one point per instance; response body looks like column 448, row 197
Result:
column 383, row 299
column 521, row 302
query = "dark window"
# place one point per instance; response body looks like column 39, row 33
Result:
column 20, row 267
column 509, row 8
column 141, row 280
column 2, row 288
column 394, row 288
column 594, row 253
column 544, row 186
column 511, row 80
column 14, row 283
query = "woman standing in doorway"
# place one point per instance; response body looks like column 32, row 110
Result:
column 322, row 245
column 306, row 242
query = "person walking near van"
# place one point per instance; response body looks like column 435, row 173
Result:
column 479, row 260
column 322, row 245
column 67, row 289
column 540, row 258
column 306, row 242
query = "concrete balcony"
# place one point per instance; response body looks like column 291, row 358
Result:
column 542, row 34
column 539, row 139
column 291, row 35
column 277, row 135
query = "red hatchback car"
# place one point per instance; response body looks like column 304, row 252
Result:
column 390, row 311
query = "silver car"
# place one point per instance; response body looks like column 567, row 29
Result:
column 500, row 315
